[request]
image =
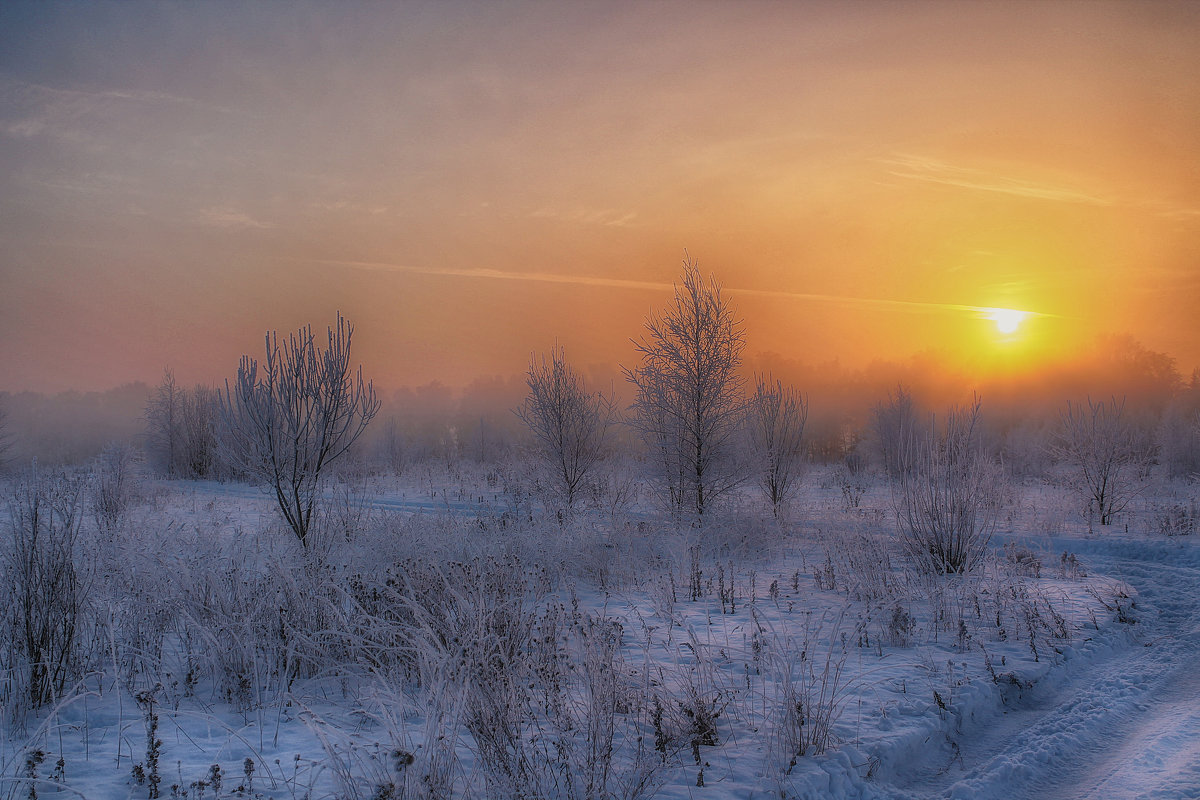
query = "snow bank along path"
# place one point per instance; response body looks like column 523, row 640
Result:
column 1121, row 719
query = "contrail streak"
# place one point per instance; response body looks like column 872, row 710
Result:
column 658, row 286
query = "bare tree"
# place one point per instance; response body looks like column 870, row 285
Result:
column 181, row 429
column 201, row 411
column 1109, row 454
column 1179, row 439
column 571, row 425
column 5, row 438
column 946, row 497
column 394, row 448
column 286, row 421
column 896, row 426
column 164, row 423
column 776, row 419
column 689, row 400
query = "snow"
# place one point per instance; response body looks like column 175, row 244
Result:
column 1085, row 687
column 1121, row 720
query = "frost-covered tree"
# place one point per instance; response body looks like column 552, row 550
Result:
column 287, row 419
column 1108, row 453
column 571, row 425
column 5, row 438
column 896, row 425
column 164, row 423
column 201, row 413
column 775, row 419
column 1179, row 432
column 689, row 401
column 181, row 429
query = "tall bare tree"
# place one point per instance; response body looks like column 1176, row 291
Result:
column 776, row 419
column 689, row 399
column 1108, row 453
column 571, row 425
column 288, row 419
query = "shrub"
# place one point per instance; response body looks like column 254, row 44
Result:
column 948, row 499
column 1177, row 519
column 115, row 485
column 45, row 604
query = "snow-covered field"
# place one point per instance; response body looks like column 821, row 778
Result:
column 449, row 641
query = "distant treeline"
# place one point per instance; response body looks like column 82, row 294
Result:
column 477, row 422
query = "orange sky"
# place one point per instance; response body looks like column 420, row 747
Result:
column 467, row 182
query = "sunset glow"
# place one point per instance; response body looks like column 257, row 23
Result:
column 469, row 182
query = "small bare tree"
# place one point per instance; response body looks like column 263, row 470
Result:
column 5, row 438
column 1109, row 455
column 394, row 448
column 946, row 497
column 896, row 424
column 571, row 425
column 776, row 419
column 164, row 423
column 689, row 400
column 201, row 410
column 1179, row 440
column 288, row 419
column 181, row 429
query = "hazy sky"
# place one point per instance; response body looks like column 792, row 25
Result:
column 469, row 181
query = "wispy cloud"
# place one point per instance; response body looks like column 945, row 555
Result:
column 607, row 217
column 226, row 217
column 78, row 116
column 501, row 275
column 25, row 128
column 1183, row 213
column 344, row 206
column 932, row 170
column 983, row 312
column 83, row 99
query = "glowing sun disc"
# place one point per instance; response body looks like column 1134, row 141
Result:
column 1007, row 320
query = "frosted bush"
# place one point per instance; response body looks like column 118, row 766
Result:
column 115, row 485
column 947, row 499
column 1177, row 519
column 45, row 616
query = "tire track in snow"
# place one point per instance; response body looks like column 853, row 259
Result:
column 1125, row 724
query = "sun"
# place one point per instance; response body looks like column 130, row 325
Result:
column 1007, row 320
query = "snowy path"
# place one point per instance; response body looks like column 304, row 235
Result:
column 1121, row 720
